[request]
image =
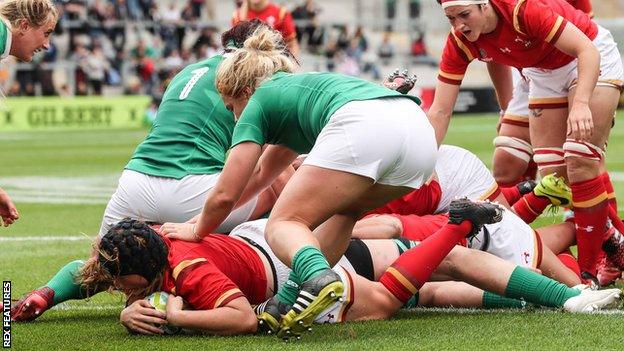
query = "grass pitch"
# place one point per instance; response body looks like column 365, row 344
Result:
column 61, row 182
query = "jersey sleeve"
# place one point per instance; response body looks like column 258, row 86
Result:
column 251, row 125
column 287, row 26
column 204, row 286
column 538, row 20
column 455, row 59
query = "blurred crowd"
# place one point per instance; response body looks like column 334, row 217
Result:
column 137, row 46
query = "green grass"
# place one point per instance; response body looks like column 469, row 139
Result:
column 93, row 325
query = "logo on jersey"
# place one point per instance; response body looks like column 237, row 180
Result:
column 271, row 21
column 505, row 50
column 526, row 43
column 484, row 55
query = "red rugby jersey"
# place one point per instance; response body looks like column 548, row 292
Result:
column 583, row 5
column 523, row 38
column 215, row 271
column 275, row 16
column 422, row 201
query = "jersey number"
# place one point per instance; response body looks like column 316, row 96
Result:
column 198, row 73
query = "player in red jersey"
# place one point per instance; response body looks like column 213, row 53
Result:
column 277, row 17
column 569, row 60
column 221, row 277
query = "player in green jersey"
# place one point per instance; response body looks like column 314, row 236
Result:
column 25, row 28
column 367, row 145
column 170, row 172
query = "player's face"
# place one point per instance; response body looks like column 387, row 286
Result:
column 236, row 105
column 469, row 20
column 130, row 283
column 29, row 39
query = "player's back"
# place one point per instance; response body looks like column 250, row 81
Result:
column 193, row 129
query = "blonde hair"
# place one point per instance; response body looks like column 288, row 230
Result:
column 263, row 54
column 36, row 12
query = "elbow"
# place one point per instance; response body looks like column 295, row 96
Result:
column 222, row 199
column 248, row 324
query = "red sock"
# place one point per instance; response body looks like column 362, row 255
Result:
column 606, row 180
column 530, row 206
column 511, row 194
column 569, row 261
column 413, row 268
column 591, row 210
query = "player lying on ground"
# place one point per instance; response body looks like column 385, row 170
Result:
column 221, row 277
column 173, row 169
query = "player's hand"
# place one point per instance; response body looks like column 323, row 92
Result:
column 175, row 304
column 140, row 317
column 298, row 161
column 580, row 122
column 8, row 212
column 180, row 231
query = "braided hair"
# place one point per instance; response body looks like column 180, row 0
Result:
column 132, row 247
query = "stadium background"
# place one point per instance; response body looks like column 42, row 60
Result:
column 61, row 176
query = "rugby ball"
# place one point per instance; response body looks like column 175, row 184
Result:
column 158, row 300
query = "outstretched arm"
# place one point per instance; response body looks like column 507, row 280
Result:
column 442, row 108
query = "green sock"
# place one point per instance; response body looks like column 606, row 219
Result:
column 288, row 293
column 491, row 300
column 538, row 289
column 64, row 284
column 309, row 262
column 403, row 244
column 412, row 302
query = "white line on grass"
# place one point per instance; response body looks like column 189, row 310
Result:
column 46, row 238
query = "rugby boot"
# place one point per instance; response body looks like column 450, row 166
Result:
column 555, row 189
column 269, row 314
column 315, row 295
column 526, row 186
column 593, row 300
column 400, row 82
column 478, row 213
column 32, row 305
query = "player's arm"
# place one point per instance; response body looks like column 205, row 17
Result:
column 378, row 227
column 574, row 43
column 140, row 317
column 236, row 173
column 503, row 83
column 441, row 109
column 274, row 160
column 234, row 318
column 8, row 212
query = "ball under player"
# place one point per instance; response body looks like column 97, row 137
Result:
column 221, row 277
column 171, row 171
column 25, row 28
column 575, row 73
column 367, row 144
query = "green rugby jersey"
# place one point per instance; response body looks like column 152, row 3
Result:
column 193, row 129
column 5, row 39
column 291, row 109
